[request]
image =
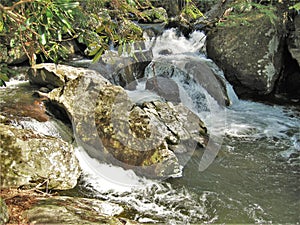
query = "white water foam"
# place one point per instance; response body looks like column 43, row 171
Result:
column 153, row 201
column 98, row 175
column 258, row 120
column 160, row 202
column 176, row 44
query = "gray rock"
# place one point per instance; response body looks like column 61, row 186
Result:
column 249, row 53
column 50, row 74
column 189, row 68
column 4, row 215
column 35, row 160
column 294, row 40
column 68, row 210
column 121, row 70
column 164, row 87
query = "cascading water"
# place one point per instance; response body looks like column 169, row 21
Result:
column 253, row 179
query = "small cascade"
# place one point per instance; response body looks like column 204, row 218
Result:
column 246, row 132
column 254, row 149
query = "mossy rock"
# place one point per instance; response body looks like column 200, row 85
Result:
column 249, row 49
column 33, row 160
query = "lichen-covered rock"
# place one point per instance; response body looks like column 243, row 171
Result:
column 36, row 160
column 249, row 53
column 294, row 40
column 68, row 210
column 113, row 128
column 4, row 215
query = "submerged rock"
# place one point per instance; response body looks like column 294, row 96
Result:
column 249, row 52
column 114, row 129
column 35, row 160
column 35, row 109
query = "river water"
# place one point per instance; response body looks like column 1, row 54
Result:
column 255, row 177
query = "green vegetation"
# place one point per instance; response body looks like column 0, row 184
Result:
column 242, row 12
column 42, row 27
column 296, row 6
column 190, row 11
column 38, row 26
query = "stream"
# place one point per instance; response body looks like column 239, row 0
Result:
column 255, row 177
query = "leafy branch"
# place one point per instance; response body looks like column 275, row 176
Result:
column 39, row 26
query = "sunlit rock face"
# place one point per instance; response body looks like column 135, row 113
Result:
column 151, row 137
column 35, row 160
column 250, row 53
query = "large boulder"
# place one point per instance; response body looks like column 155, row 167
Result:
column 35, row 160
column 148, row 137
column 124, row 70
column 294, row 40
column 249, row 52
column 53, row 75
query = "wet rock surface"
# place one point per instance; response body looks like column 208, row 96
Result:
column 114, row 129
column 294, row 40
column 164, row 87
column 251, row 58
column 32, row 207
column 36, row 160
column 192, row 71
